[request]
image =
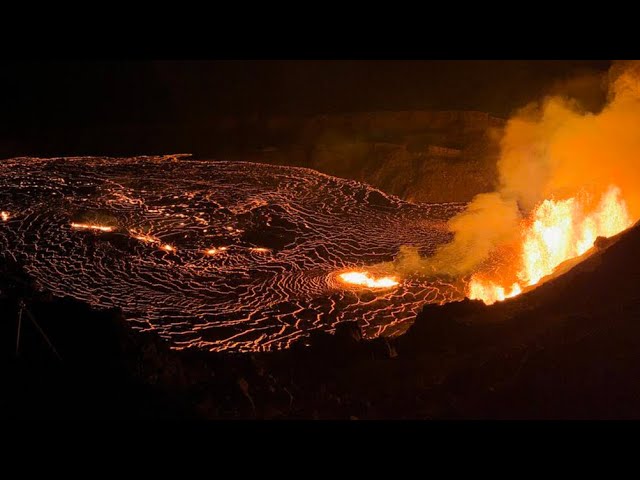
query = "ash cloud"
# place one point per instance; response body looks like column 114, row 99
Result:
column 552, row 148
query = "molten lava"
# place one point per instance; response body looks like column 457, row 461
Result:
column 490, row 292
column 85, row 226
column 364, row 279
column 556, row 231
column 219, row 290
column 143, row 237
column 4, row 216
column 146, row 238
column 215, row 250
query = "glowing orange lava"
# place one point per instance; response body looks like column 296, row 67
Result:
column 143, row 237
column 146, row 238
column 364, row 279
column 215, row 250
column 85, row 226
column 260, row 250
column 4, row 216
column 556, row 231
column 490, row 292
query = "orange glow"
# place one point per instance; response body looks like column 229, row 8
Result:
column 215, row 250
column 146, row 238
column 143, row 237
column 4, row 216
column 490, row 292
column 364, row 279
column 556, row 231
column 260, row 250
column 85, row 226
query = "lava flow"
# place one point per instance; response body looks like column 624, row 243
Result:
column 219, row 256
column 84, row 226
column 556, row 231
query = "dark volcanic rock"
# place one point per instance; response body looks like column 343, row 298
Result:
column 349, row 330
column 428, row 156
column 440, row 327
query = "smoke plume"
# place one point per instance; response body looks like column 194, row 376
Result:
column 551, row 149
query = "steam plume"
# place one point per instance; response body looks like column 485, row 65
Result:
column 550, row 149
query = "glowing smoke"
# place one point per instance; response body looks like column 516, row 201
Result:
column 550, row 149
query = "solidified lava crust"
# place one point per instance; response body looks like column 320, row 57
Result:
column 224, row 256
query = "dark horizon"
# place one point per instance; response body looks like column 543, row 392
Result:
column 115, row 107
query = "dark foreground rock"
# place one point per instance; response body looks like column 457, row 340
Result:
column 568, row 349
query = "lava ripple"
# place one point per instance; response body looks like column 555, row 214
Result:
column 223, row 256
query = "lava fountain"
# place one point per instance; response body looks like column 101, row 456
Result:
column 556, row 231
column 566, row 176
column 365, row 279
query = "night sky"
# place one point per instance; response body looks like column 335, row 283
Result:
column 41, row 100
